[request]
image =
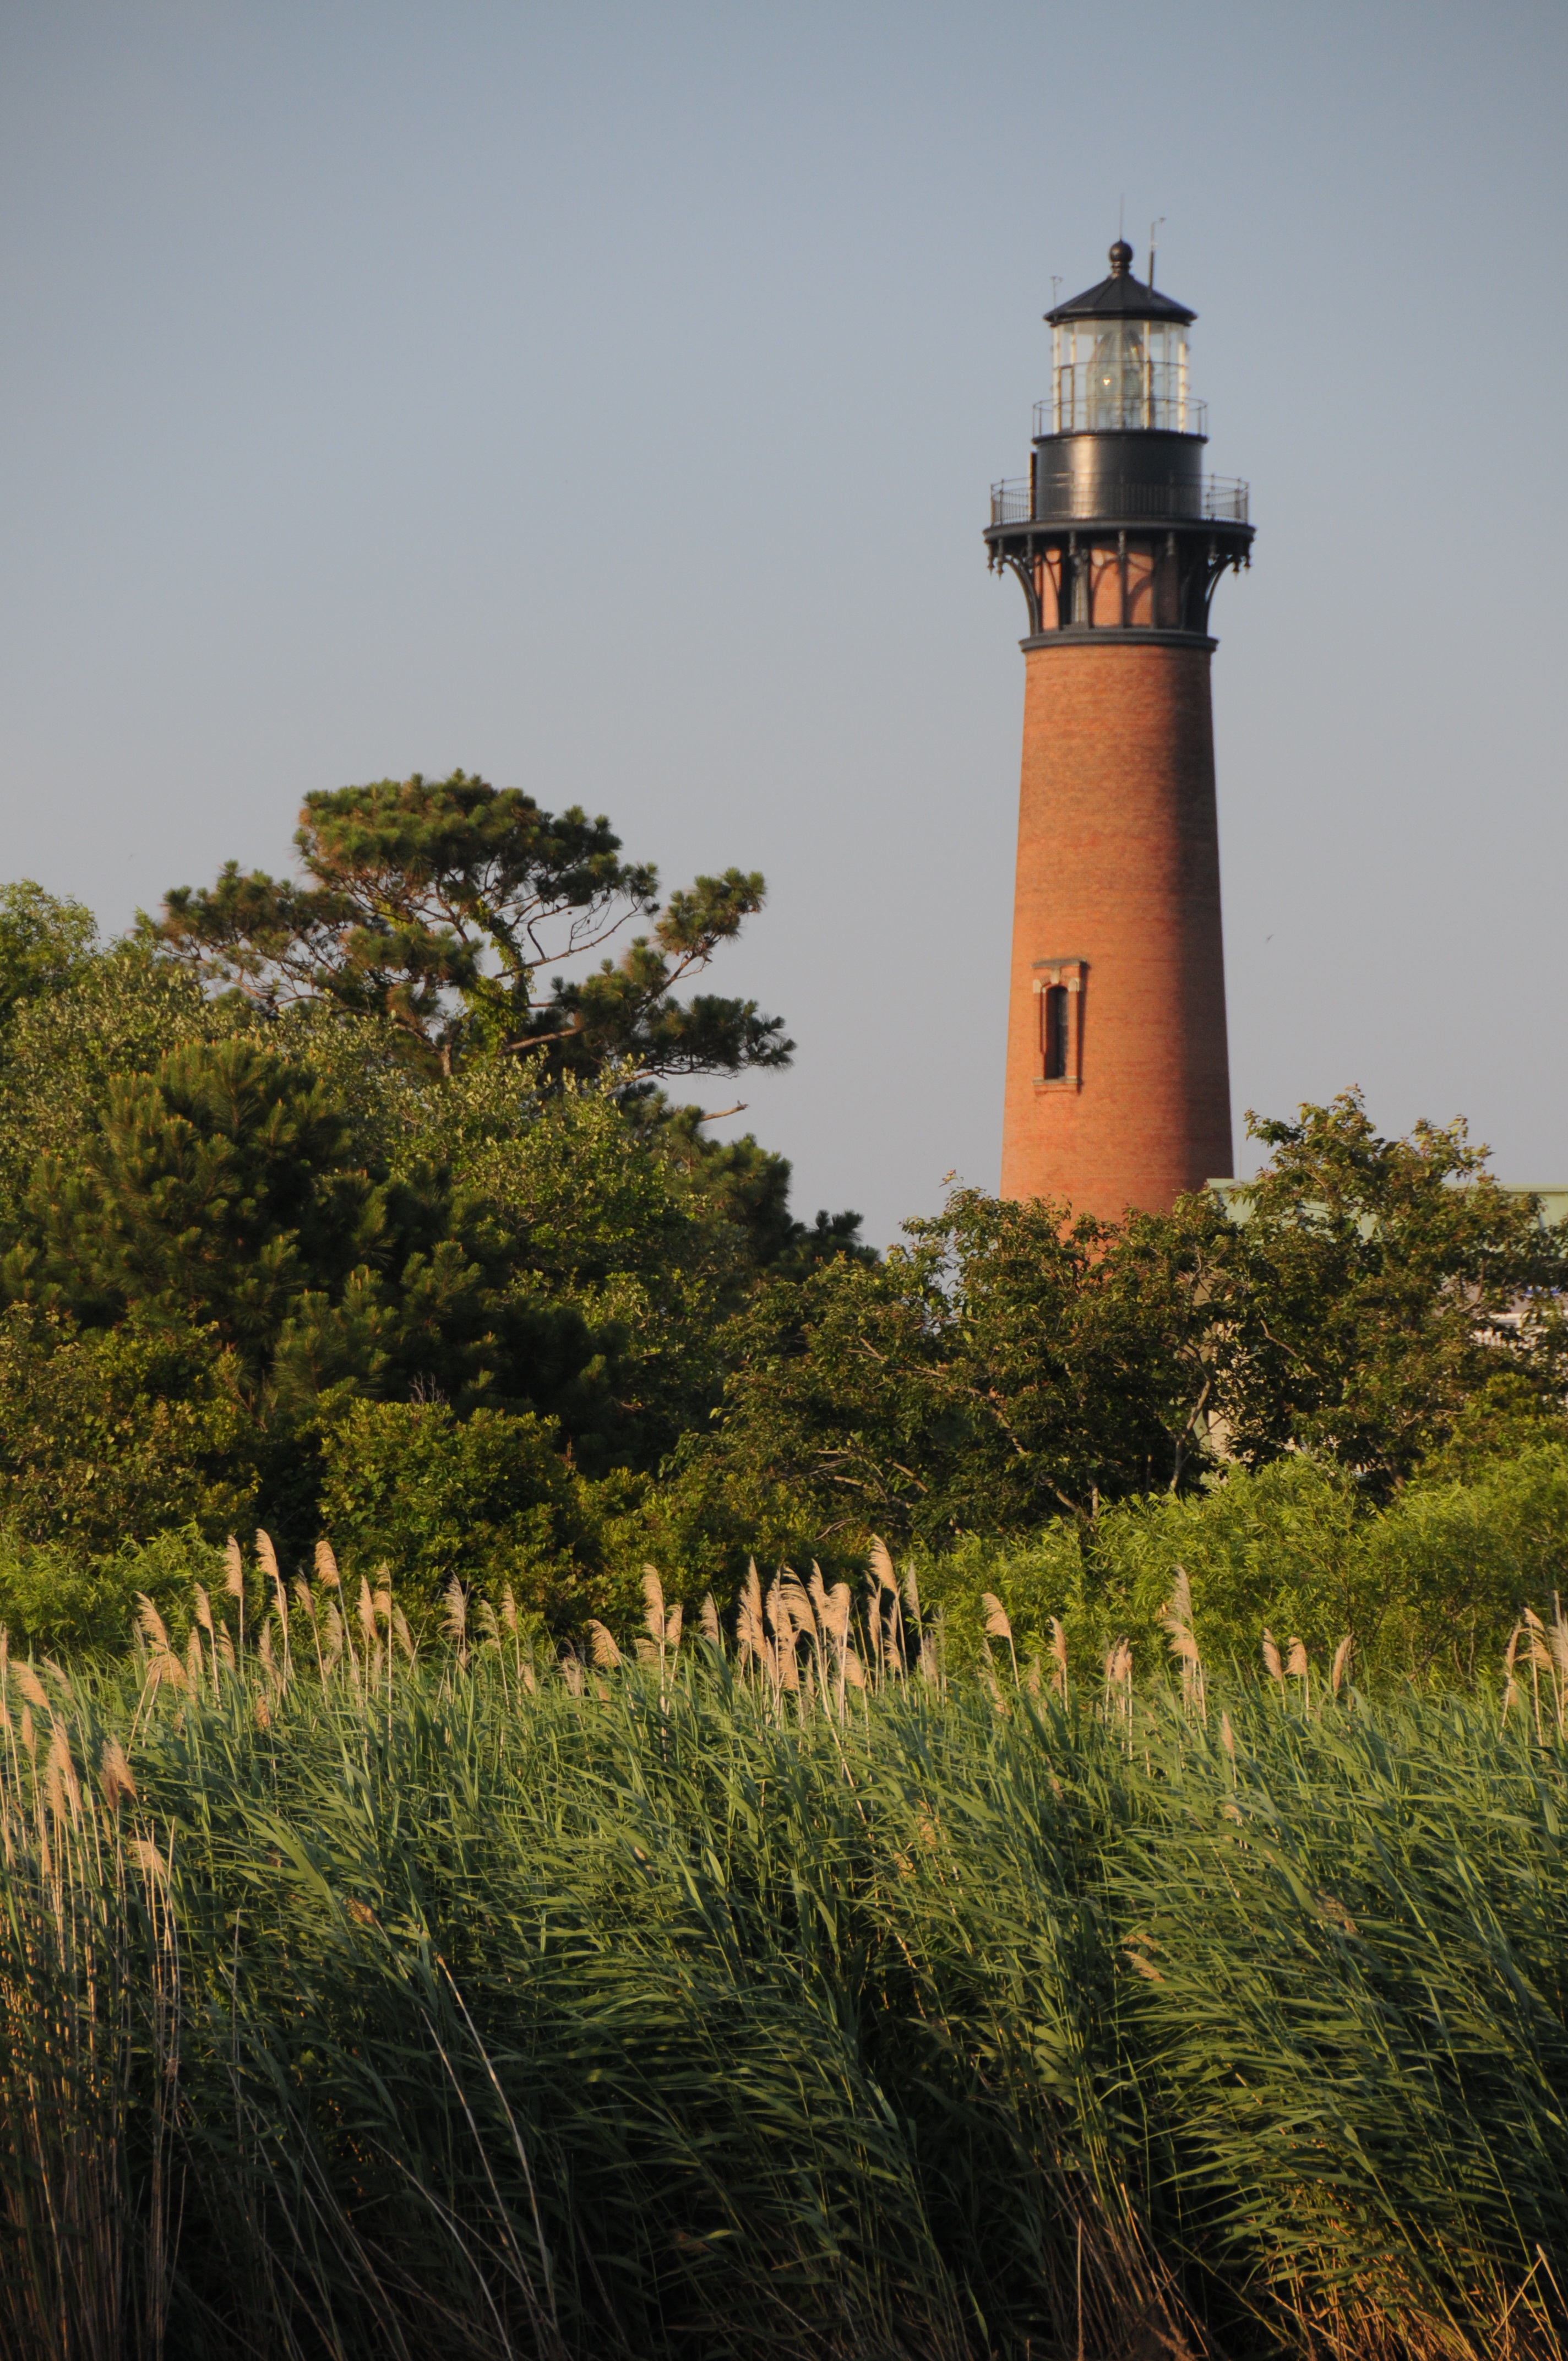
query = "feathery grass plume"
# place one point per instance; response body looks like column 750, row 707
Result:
column 653, row 1607
column 326, row 1568
column 1297, row 1665
column 571, row 1668
column 606, row 1654
column 226, row 1655
column 1227, row 1736
column 336, row 1641
column 57, row 1674
column 1341, row 1661
column 851, row 1668
column 751, row 1637
column 32, row 1689
column 233, row 1569
column 708, row 1622
column 194, row 1661
column 29, row 1736
column 1119, row 1683
column 454, row 1618
column 672, row 1622
column 266, row 1556
column 304, row 1597
column 1175, row 1621
column 881, row 1565
column 366, row 1611
column 931, row 1648
column 1058, row 1657
column 164, row 1668
column 912, row 1594
column 1275, row 1668
column 114, row 1775
column 781, row 1653
column 64, row 1787
column 1510, row 1685
column 404, row 1636
column 152, row 1622
column 998, row 1627
column 646, row 1651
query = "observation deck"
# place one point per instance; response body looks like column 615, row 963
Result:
column 1216, row 499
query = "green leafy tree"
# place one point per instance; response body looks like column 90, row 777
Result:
column 108, row 1436
column 1003, row 1367
column 747, row 1186
column 1377, row 1288
column 44, row 942
column 437, row 904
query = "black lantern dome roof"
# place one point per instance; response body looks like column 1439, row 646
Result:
column 1120, row 297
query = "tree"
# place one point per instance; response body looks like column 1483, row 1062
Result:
column 1004, row 1368
column 1377, row 1287
column 44, row 942
column 438, row 903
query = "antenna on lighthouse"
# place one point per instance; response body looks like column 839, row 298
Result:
column 1153, row 227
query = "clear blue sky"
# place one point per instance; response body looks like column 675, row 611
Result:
column 605, row 397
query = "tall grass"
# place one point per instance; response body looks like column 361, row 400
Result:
column 772, row 1995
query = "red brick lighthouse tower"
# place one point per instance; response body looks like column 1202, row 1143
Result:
column 1118, row 1081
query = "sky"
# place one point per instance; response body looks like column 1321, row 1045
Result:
column 604, row 397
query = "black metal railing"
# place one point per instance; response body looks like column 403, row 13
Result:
column 1218, row 499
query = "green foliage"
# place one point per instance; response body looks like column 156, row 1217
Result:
column 999, row 1370
column 1378, row 1285
column 1009, row 1364
column 671, row 2016
column 106, row 1438
column 43, row 943
column 54, row 1600
column 1427, row 1587
column 486, row 1501
column 435, row 905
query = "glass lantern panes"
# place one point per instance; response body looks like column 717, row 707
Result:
column 1120, row 373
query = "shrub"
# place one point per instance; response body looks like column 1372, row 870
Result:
column 486, row 1501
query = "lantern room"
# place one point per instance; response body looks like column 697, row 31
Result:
column 1119, row 356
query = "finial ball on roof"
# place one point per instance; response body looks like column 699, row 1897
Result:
column 1121, row 258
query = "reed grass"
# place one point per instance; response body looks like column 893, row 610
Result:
column 771, row 1993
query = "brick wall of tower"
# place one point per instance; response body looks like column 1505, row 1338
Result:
column 1119, row 866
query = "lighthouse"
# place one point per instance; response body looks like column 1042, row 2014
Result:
column 1118, row 1081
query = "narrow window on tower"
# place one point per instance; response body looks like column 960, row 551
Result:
column 1059, row 988
column 1053, row 1016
